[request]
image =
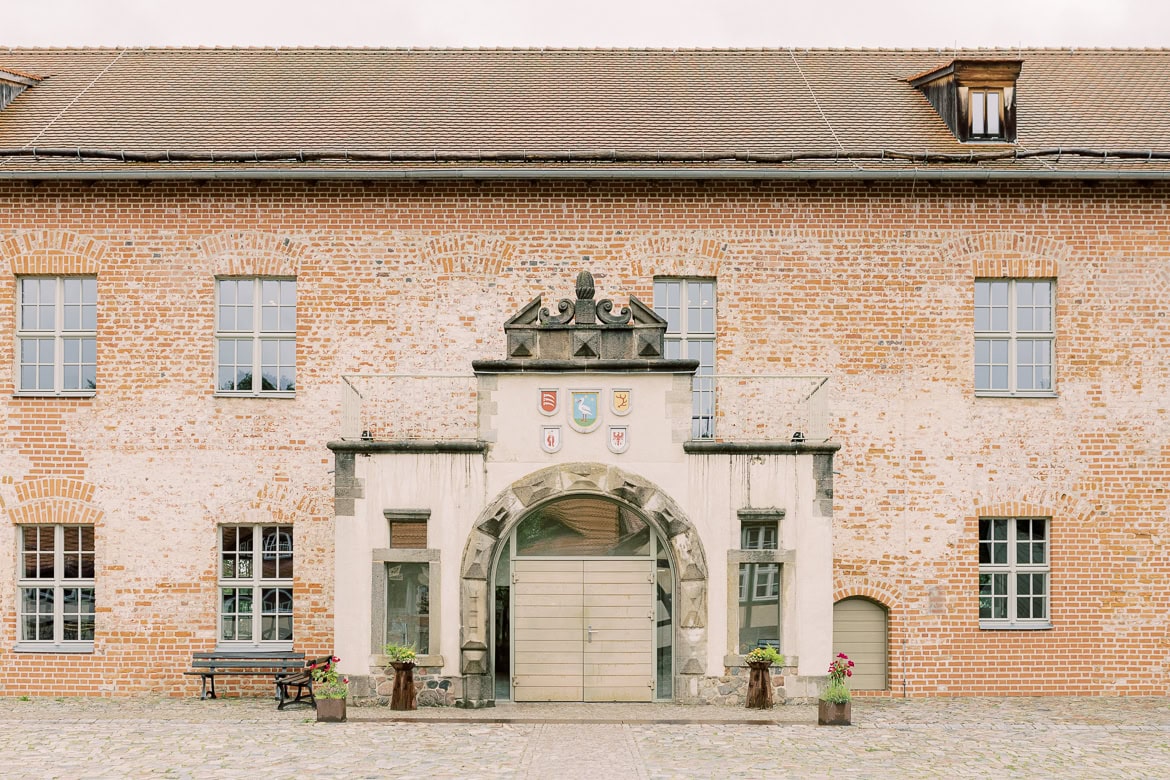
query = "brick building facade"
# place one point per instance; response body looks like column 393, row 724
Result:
column 129, row 499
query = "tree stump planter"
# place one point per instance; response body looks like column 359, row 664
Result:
column 402, row 696
column 331, row 710
column 759, row 692
column 830, row 714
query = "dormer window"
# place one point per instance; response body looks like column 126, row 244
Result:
column 976, row 98
column 13, row 83
column 983, row 107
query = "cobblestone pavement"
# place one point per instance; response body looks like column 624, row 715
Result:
column 249, row 738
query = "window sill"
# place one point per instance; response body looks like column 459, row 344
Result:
column 1000, row 394
column 255, row 396
column 1045, row 626
column 78, row 648
column 252, row 647
column 54, row 394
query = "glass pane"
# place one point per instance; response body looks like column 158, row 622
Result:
column 408, row 605
column 978, row 124
column 278, row 553
column 999, row 352
column 993, row 113
column 664, row 628
column 759, row 607
column 999, row 378
column 269, row 304
column 583, row 526
column 47, row 304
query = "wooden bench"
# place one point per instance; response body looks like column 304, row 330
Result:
column 302, row 680
column 208, row 666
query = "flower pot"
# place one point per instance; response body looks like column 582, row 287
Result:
column 402, row 696
column 831, row 714
column 759, row 692
column 330, row 710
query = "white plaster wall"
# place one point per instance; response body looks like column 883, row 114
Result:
column 710, row 489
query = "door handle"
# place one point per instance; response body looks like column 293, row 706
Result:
column 589, row 633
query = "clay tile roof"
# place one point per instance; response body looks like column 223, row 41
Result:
column 320, row 110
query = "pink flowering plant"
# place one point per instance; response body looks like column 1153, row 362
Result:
column 840, row 669
column 328, row 683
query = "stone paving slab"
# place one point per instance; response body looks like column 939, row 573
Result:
column 249, row 738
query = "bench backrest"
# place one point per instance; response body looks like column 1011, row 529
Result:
column 241, row 660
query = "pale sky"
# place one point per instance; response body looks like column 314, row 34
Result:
column 574, row 23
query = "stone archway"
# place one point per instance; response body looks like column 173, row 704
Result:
column 513, row 503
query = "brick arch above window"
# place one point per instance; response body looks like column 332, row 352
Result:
column 879, row 593
column 677, row 255
column 56, row 510
column 463, row 254
column 1037, row 504
column 50, row 487
column 56, row 252
column 1008, row 254
column 253, row 253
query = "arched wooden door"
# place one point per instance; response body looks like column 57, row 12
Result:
column 861, row 631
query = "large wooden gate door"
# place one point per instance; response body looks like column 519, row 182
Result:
column 583, row 630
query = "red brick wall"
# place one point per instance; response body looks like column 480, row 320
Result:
column 871, row 284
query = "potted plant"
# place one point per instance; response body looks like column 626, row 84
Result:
column 834, row 707
column 760, row 660
column 329, row 692
column 402, row 659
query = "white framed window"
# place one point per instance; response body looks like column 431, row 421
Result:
column 759, row 588
column 56, row 335
column 985, row 110
column 256, row 336
column 1013, row 572
column 1015, row 336
column 688, row 306
column 57, row 592
column 256, row 586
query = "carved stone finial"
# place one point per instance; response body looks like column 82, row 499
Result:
column 585, row 329
column 585, row 287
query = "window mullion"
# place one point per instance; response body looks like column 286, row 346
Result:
column 58, row 582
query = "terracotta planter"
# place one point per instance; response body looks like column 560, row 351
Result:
column 402, row 697
column 830, row 714
column 330, row 710
column 759, row 692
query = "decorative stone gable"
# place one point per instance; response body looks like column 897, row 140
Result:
column 585, row 329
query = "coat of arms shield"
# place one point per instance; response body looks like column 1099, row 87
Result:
column 550, row 401
column 584, row 409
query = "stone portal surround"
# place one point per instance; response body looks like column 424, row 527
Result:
column 503, row 513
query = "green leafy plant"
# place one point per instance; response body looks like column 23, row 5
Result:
column 328, row 683
column 761, row 654
column 840, row 669
column 400, row 653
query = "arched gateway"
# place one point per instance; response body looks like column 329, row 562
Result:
column 554, row 556
column 583, row 582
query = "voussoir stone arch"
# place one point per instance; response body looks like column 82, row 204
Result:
column 512, row 504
